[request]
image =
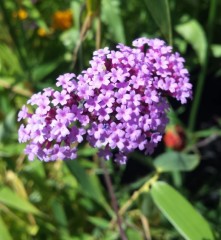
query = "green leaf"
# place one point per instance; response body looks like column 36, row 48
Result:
column 11, row 199
column 82, row 177
column 4, row 233
column 76, row 9
column 69, row 38
column 8, row 60
column 8, row 150
column 111, row 16
column 188, row 222
column 134, row 234
column 216, row 50
column 61, row 220
column 87, row 151
column 194, row 34
column 159, row 9
column 41, row 71
column 176, row 161
column 2, row 132
column 89, row 183
column 35, row 167
column 99, row 222
column 207, row 132
column 10, row 121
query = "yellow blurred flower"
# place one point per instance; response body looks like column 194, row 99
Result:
column 42, row 32
column 62, row 20
column 21, row 14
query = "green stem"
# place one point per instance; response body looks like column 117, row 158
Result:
column 136, row 194
column 203, row 72
column 170, row 34
column 144, row 188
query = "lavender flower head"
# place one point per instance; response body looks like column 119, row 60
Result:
column 118, row 104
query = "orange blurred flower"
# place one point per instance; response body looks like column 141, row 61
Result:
column 62, row 20
column 174, row 138
column 21, row 14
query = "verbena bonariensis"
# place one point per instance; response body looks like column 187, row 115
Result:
column 119, row 103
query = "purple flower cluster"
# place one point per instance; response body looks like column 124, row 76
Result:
column 118, row 104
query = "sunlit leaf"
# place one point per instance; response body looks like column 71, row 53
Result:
column 111, row 16
column 4, row 232
column 76, row 8
column 134, row 234
column 99, row 222
column 21, row 222
column 69, row 38
column 11, row 199
column 194, row 34
column 190, row 224
column 176, row 161
column 216, row 50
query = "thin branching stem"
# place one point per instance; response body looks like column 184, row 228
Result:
column 113, row 199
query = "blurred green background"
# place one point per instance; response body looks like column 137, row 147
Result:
column 41, row 39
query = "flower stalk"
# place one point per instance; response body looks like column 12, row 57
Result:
column 145, row 188
column 113, row 199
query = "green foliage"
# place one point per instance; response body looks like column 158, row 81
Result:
column 194, row 34
column 89, row 183
column 69, row 200
column 112, row 18
column 180, row 213
column 12, row 200
column 176, row 161
column 159, row 9
column 4, row 231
